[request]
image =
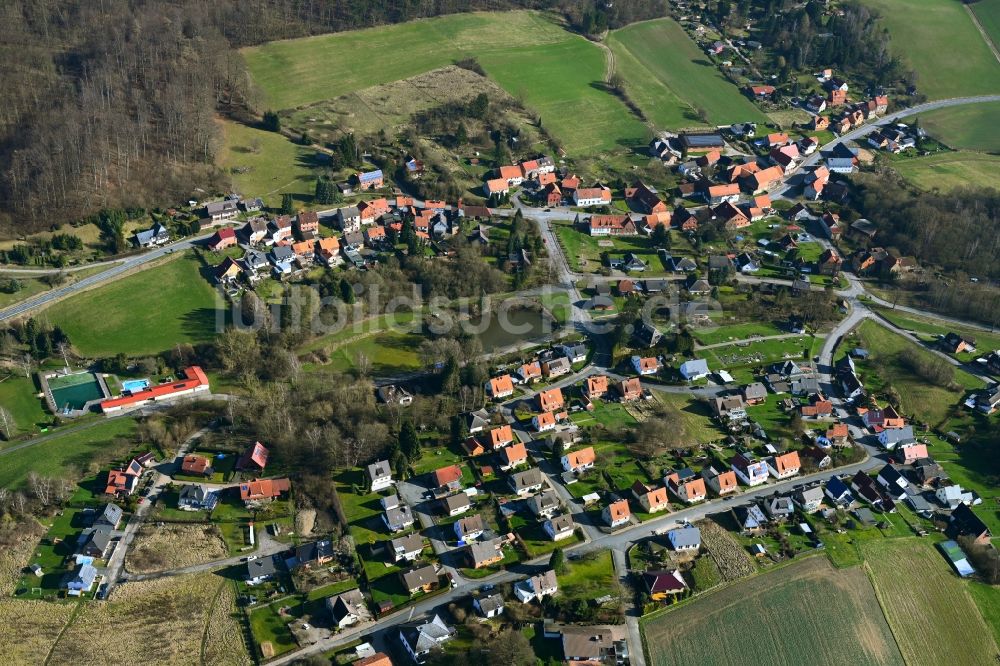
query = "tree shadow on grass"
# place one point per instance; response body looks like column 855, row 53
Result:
column 200, row 324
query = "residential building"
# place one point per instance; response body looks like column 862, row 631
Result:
column 420, row 579
column 896, row 437
column 611, row 225
column 543, row 422
column 500, row 387
column 489, row 606
column 468, row 528
column 528, row 481
column 559, row 527
column 254, row 459
column 617, row 513
column 748, row 469
column 398, row 518
column 784, row 465
column 838, row 492
column 809, row 499
column 964, row 522
column 605, row 644
column 694, row 370
column 664, row 584
column 556, row 367
column 260, row 570
column 720, row 482
column 513, row 456
column 457, row 504
column 630, row 389
column 485, row 553
column 686, row 538
column 370, row 180
column 536, row 587
column 406, row 548
column 686, row 486
column 591, row 196
column 348, row 608
column 579, row 461
column 218, row 211
column 379, row 476
column 544, row 505
column 645, row 365
column 550, row 400
column 449, row 477
column 420, row 638
column 193, row 497
column 596, row 386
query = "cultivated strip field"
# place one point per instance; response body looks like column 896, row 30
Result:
column 931, row 612
column 808, row 608
column 661, row 64
column 941, row 43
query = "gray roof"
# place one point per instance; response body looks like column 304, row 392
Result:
column 425, row 636
column 409, row 543
column 897, row 435
column 99, row 538
column 419, row 577
column 547, row 500
column 527, row 478
column 487, row 605
column 111, row 515
column 262, row 566
column 485, row 550
column 755, row 391
column 685, row 537
column 456, row 501
column 561, row 523
column 192, row 492
column 345, row 604
column 379, row 469
column 282, row 253
column 400, row 515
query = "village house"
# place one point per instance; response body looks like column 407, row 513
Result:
column 489, row 606
column 379, row 475
column 630, row 389
column 585, row 197
column 650, row 499
column 559, row 527
column 544, row 505
column 556, row 367
column 645, row 365
column 596, row 386
column 500, row 387
column 260, row 570
column 730, row 407
column 784, row 465
column 421, row 638
column 218, row 211
column 579, row 461
column 664, row 584
column 529, row 372
column 694, row 370
column 421, row 579
column 838, row 492
column 605, row 644
column 750, row 519
column 720, row 482
column 543, row 422
column 369, row 180
column 501, row 437
column 513, row 456
column 748, row 469
column 686, row 486
column 685, row 539
column 406, row 548
column 526, row 482
column 449, row 478
column 550, row 400
column 485, row 553
column 610, row 225
column 193, row 497
column 779, row 508
column 644, row 199
column 964, row 523
column 348, row 608
column 398, row 518
column 468, row 528
column 538, row 586
column 457, row 504
column 616, row 513
column 808, row 499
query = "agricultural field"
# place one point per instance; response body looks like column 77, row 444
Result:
column 846, row 627
column 988, row 13
column 69, row 454
column 223, row 642
column 30, row 627
column 950, row 170
column 969, row 127
column 918, row 397
column 266, row 164
column 670, row 78
column 170, row 615
column 146, row 313
column 174, row 546
column 940, row 42
column 936, row 621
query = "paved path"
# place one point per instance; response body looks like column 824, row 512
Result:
column 637, row 657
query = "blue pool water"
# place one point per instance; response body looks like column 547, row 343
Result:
column 133, row 385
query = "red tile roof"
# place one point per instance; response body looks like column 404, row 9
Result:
column 195, row 377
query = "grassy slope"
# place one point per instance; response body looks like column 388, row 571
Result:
column 929, row 609
column 947, row 171
column 302, row 71
column 17, row 395
column 988, row 13
column 661, row 63
column 56, row 456
column 942, row 45
column 969, row 127
column 806, row 609
column 562, row 84
column 142, row 314
column 274, row 165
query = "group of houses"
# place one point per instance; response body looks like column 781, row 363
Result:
column 95, row 543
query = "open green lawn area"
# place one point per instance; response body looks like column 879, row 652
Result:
column 930, row 330
column 967, row 127
column 988, row 13
column 775, row 422
column 760, row 352
column 401, row 320
column 52, row 552
column 940, row 42
column 537, row 542
column 616, row 469
column 386, row 353
column 145, row 313
column 987, row 598
column 612, row 415
column 728, row 332
column 266, row 164
column 583, row 251
column 301, row 71
column 670, row 78
column 590, row 577
column 17, row 395
column 59, row 456
column 268, row 626
column 806, row 608
column 925, row 401
column 950, row 170
column 562, row 84
column 696, row 416
column 362, row 510
column 936, row 621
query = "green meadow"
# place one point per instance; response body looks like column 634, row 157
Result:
column 969, row 127
column 670, row 78
column 144, row 313
column 950, row 170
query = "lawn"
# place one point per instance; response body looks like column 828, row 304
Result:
column 808, row 608
column 562, row 84
column 950, row 170
column 696, row 416
column 930, row 329
column 387, row 352
column 670, row 78
column 935, row 621
column 143, row 314
column 988, row 13
column 302, row 71
column 17, row 395
column 940, row 42
column 266, row 164
column 583, row 251
column 761, row 352
column 270, row 627
column 917, row 397
column 987, row 598
column 729, row 332
column 59, row 456
column 537, row 542
column 590, row 577
column 968, row 127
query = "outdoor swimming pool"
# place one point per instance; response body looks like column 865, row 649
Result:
column 133, row 385
column 70, row 392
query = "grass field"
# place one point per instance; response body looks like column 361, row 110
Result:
column 808, row 608
column 940, row 42
column 696, row 415
column 947, row 171
column 589, row 578
column 562, row 84
column 144, row 313
column 302, row 71
column 930, row 329
column 17, row 395
column 935, row 621
column 930, row 403
column 266, row 164
column 988, row 13
column 968, row 127
column 663, row 67
column 61, row 454
column 730, row 332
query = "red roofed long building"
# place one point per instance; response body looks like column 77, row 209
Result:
column 263, row 490
column 611, row 225
column 195, row 381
